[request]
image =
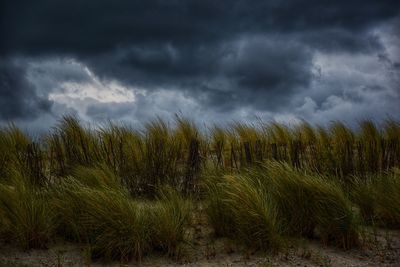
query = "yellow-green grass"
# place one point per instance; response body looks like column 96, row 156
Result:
column 263, row 204
column 27, row 217
column 378, row 198
column 103, row 214
column 127, row 191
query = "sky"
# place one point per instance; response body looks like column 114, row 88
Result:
column 211, row 61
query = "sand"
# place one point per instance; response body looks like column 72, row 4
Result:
column 379, row 249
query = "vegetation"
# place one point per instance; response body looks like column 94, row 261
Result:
column 126, row 192
column 26, row 215
column 378, row 198
column 275, row 200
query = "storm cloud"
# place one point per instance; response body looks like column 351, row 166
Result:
column 18, row 98
column 219, row 60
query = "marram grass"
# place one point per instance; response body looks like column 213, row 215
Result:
column 116, row 226
column 127, row 191
column 262, row 204
column 26, row 215
column 378, row 198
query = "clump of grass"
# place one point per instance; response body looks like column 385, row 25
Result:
column 192, row 146
column 217, row 210
column 7, row 152
column 26, row 215
column 239, row 208
column 254, row 214
column 265, row 203
column 104, row 216
column 71, row 145
column 391, row 144
column 116, row 226
column 99, row 211
column 19, row 151
column 342, row 139
column 68, row 199
column 172, row 216
column 363, row 194
column 378, row 198
column 369, row 148
column 122, row 151
column 388, row 198
column 311, row 203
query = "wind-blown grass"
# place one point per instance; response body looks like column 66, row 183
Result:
column 98, row 210
column 217, row 210
column 26, row 215
column 311, row 203
column 378, row 198
column 261, row 204
column 172, row 217
column 127, row 191
column 254, row 214
column 388, row 199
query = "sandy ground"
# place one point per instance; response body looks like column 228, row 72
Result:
column 380, row 249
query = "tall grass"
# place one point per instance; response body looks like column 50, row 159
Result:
column 172, row 217
column 11, row 140
column 218, row 212
column 254, row 214
column 127, row 191
column 388, row 199
column 174, row 154
column 145, row 160
column 378, row 198
column 26, row 215
column 312, row 205
column 261, row 204
column 18, row 151
column 236, row 208
column 336, row 150
column 121, row 151
column 70, row 145
column 96, row 209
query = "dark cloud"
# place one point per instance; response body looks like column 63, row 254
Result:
column 113, row 111
column 258, row 56
column 255, row 70
column 18, row 98
column 92, row 27
column 269, row 69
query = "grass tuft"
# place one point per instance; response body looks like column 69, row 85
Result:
column 26, row 215
column 262, row 204
column 97, row 210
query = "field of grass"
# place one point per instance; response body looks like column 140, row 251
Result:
column 125, row 193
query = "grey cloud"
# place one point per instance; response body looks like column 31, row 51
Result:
column 267, row 69
column 222, row 58
column 109, row 111
column 18, row 98
column 341, row 39
column 92, row 27
column 349, row 89
column 254, row 71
